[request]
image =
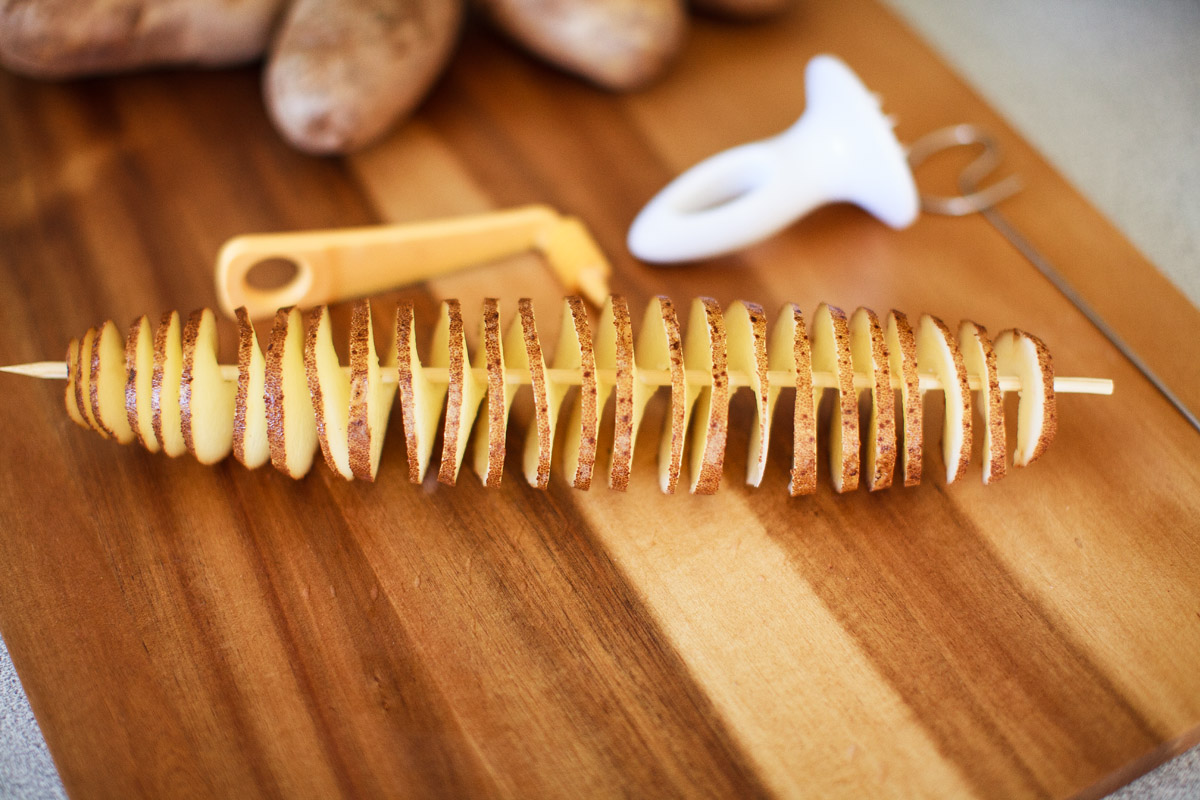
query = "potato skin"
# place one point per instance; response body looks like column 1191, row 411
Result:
column 72, row 38
column 341, row 74
column 617, row 44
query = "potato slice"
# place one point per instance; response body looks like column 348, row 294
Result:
column 575, row 353
column 979, row 357
column 660, row 348
column 83, row 382
column 329, row 388
column 139, row 378
column 902, row 361
column 70, row 399
column 939, row 356
column 250, row 445
column 291, row 424
column 869, row 353
column 370, row 398
column 1024, row 355
column 524, row 349
column 420, row 399
column 746, row 331
column 490, row 438
column 831, row 353
column 705, row 349
column 463, row 392
column 206, row 399
column 790, row 351
column 106, row 383
column 164, row 387
column 614, row 352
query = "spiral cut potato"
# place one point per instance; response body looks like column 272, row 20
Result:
column 162, row 386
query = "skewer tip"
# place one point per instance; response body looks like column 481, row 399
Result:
column 38, row 369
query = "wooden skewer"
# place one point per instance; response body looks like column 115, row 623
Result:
column 57, row 370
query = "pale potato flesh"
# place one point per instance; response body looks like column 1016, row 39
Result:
column 575, row 353
column 168, row 391
column 746, row 350
column 979, row 357
column 420, row 399
column 250, row 444
column 902, row 361
column 660, row 347
column 939, row 356
column 791, row 351
column 164, row 389
column 73, row 410
column 615, row 357
column 370, row 398
column 492, row 426
column 108, row 383
column 870, row 356
column 464, row 392
column 205, row 397
column 705, row 349
column 330, row 391
column 291, row 425
column 139, row 381
column 1018, row 353
column 831, row 353
column 83, row 383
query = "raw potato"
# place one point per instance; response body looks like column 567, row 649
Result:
column 107, row 383
column 902, row 361
column 370, row 398
column 291, row 421
column 831, row 353
column 341, row 74
column 939, row 356
column 164, row 386
column 790, row 350
column 69, row 38
column 306, row 394
column 1024, row 355
column 250, row 444
column 614, row 353
column 746, row 351
column 704, row 349
column 139, row 378
column 420, row 399
column 979, row 357
column 206, row 399
column 617, row 44
column 73, row 410
column 576, row 353
column 83, row 380
column 869, row 354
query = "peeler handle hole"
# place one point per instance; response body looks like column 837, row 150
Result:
column 272, row 274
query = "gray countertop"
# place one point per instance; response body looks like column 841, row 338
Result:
column 1109, row 92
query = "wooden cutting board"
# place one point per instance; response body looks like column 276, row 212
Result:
column 193, row 631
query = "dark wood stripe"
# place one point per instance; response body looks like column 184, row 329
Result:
column 522, row 614
column 382, row 720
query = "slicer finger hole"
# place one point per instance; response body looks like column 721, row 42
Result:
column 272, row 274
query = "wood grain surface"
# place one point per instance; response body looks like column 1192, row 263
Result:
column 209, row 631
